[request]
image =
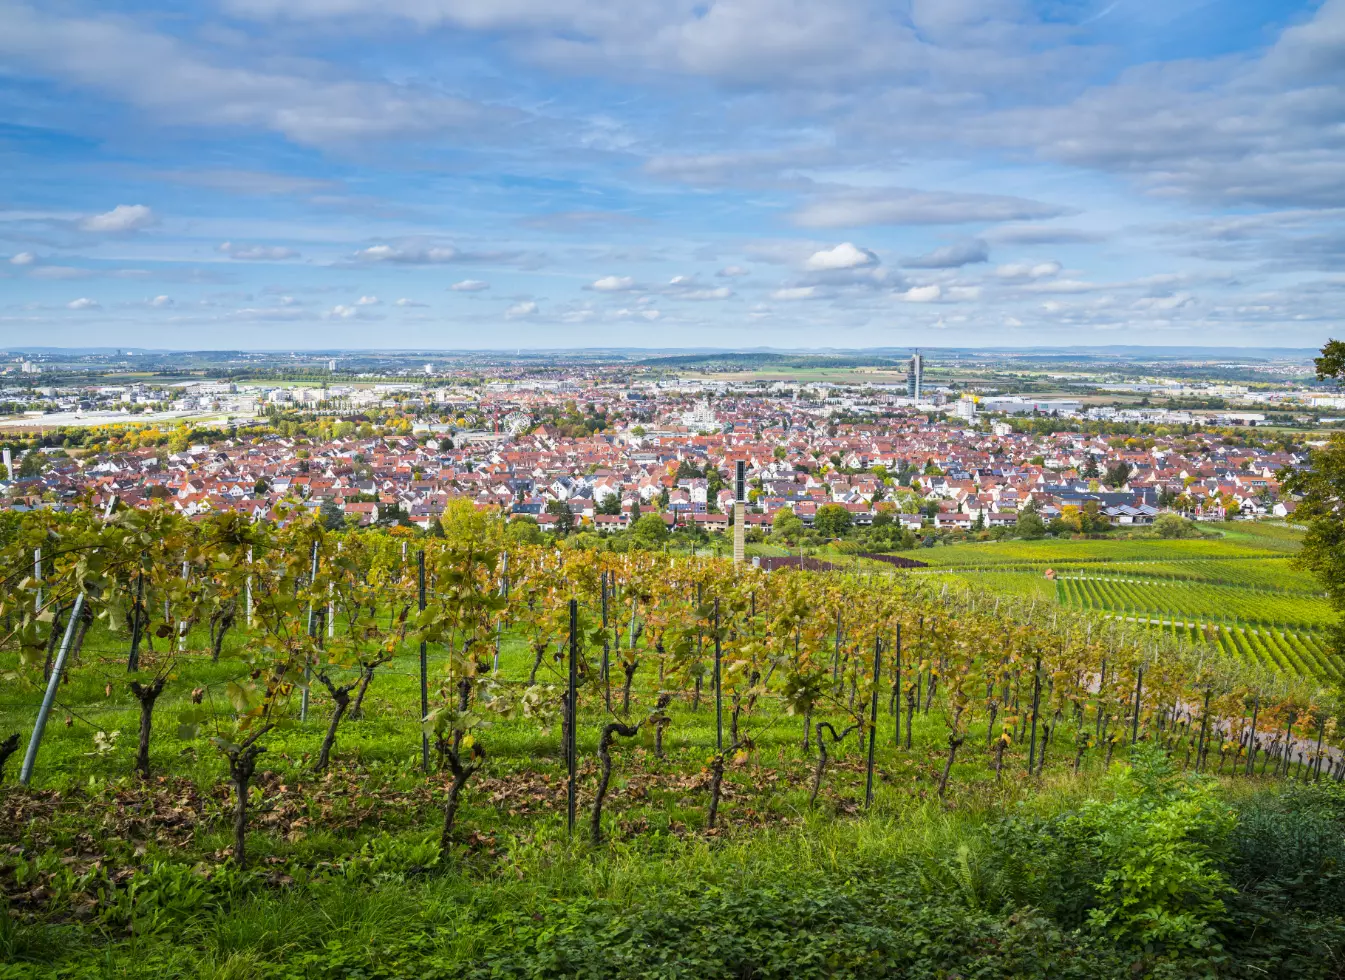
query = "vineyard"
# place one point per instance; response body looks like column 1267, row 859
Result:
column 255, row 750
column 1238, row 597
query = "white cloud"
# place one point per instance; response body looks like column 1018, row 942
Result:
column 83, row 303
column 922, row 294
column 341, row 312
column 849, row 208
column 469, row 286
column 522, row 309
column 795, row 292
column 431, row 255
column 367, row 301
column 1063, row 286
column 963, row 294
column 951, row 256
column 165, row 77
column 730, row 271
column 613, row 284
column 123, row 218
column 1162, row 303
column 1028, row 270
column 161, row 301
column 23, row 258
column 256, row 253
column 650, row 315
column 843, row 256
column 719, row 292
column 59, row 272
column 409, row 302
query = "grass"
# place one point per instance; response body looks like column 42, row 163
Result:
column 1240, row 588
column 349, row 880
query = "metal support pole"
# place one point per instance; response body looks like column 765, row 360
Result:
column 719, row 688
column 1139, row 690
column 499, row 624
column 308, row 656
column 1317, row 756
column 424, row 670
column 571, row 754
column 30, row 756
column 873, row 718
column 896, row 690
column 1204, row 730
column 37, row 574
column 133, row 661
column 1251, row 740
column 1036, row 703
column 248, row 605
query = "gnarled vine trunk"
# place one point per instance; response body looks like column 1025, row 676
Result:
column 461, row 773
column 609, row 733
column 146, row 694
column 341, row 697
column 242, row 765
column 7, row 748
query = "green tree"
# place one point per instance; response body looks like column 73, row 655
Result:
column 1322, row 506
column 649, row 531
column 832, row 520
column 331, row 515
column 564, row 517
column 786, row 524
column 610, row 505
column 1173, row 526
column 1030, row 525
column 1117, row 474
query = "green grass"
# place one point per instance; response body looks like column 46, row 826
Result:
column 349, row 881
column 1239, row 593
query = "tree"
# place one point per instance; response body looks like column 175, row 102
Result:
column 610, row 505
column 1173, row 526
column 564, row 516
column 1117, row 474
column 1030, row 525
column 1090, row 470
column 331, row 515
column 649, row 531
column 786, row 524
column 1322, row 507
column 832, row 520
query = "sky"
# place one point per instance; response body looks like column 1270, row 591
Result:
column 456, row 174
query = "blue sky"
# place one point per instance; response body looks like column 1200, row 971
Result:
column 667, row 173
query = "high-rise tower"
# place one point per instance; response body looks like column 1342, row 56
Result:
column 915, row 376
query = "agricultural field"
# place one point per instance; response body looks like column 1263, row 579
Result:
column 1239, row 594
column 626, row 766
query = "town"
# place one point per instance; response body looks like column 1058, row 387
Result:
column 595, row 451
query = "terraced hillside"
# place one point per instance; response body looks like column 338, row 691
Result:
column 1239, row 593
